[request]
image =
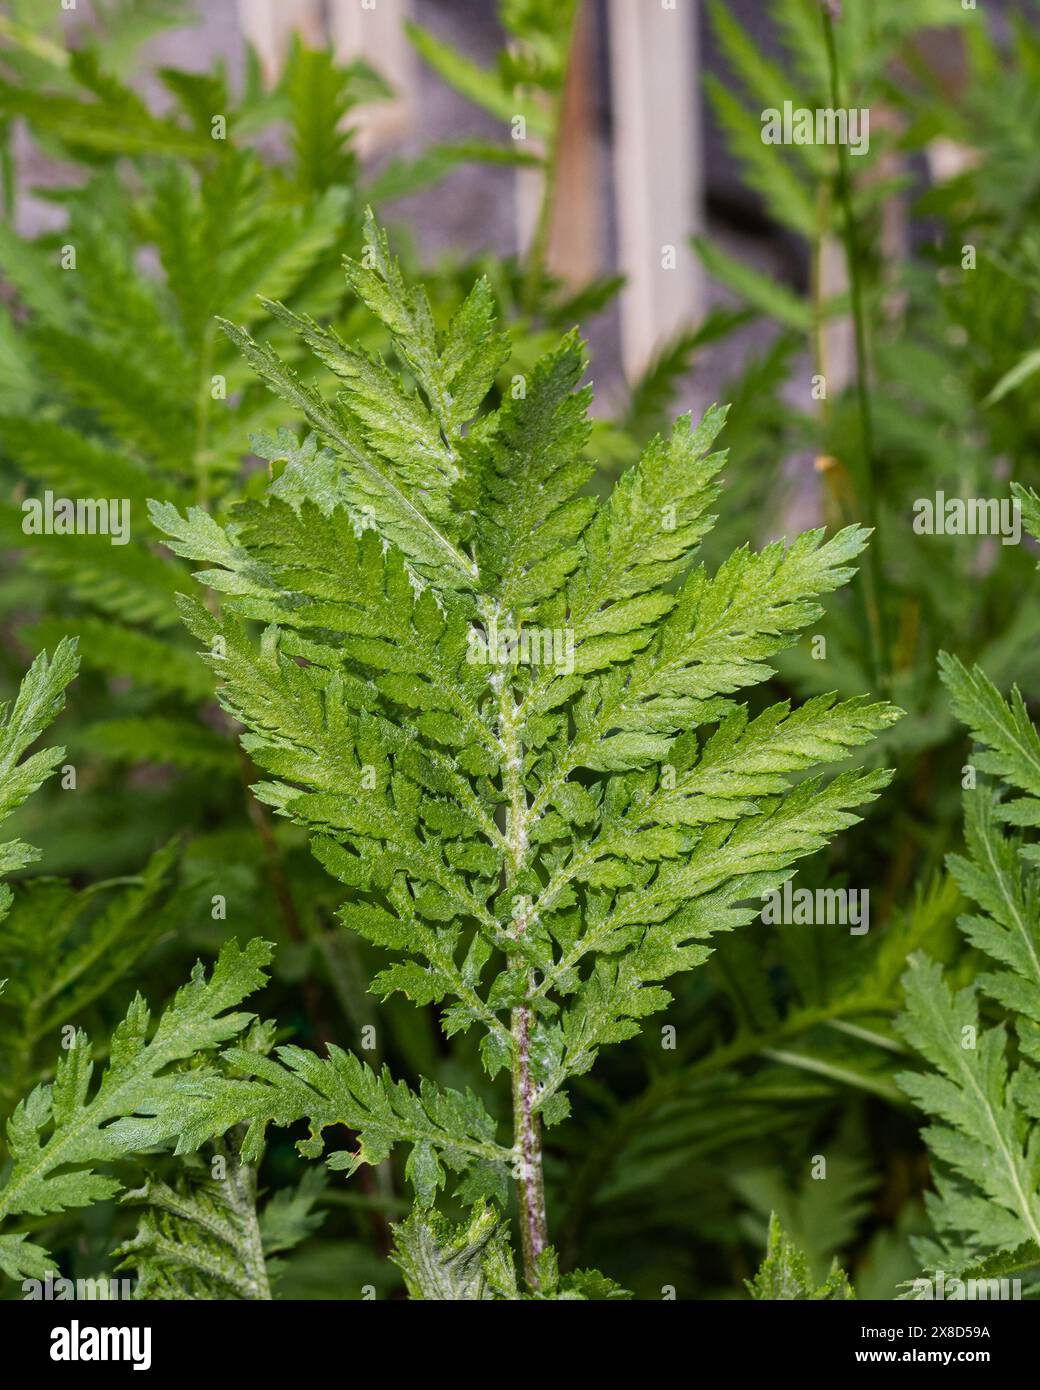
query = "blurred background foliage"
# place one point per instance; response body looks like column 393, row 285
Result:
column 115, row 382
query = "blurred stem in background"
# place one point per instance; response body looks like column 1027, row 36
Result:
column 556, row 101
column 870, row 574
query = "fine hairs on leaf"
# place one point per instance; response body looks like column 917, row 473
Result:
column 506, row 714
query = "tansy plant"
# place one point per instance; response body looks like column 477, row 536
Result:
column 504, row 711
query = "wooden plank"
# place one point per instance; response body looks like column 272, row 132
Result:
column 375, row 31
column 658, row 170
column 269, row 24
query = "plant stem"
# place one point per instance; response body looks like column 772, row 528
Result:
column 45, row 50
column 528, row 1143
column 538, row 251
column 819, row 333
column 240, row 1186
column 338, row 948
column 872, row 557
column 203, row 403
column 8, row 181
column 526, row 1124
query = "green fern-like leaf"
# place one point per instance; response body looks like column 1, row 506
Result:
column 41, row 697
column 784, row 1273
column 208, row 1236
column 64, row 1132
column 985, row 1102
column 465, row 1263
column 443, row 1127
column 504, row 711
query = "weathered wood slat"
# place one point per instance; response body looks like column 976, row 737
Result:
column 658, row 170
column 269, row 24
column 377, row 35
